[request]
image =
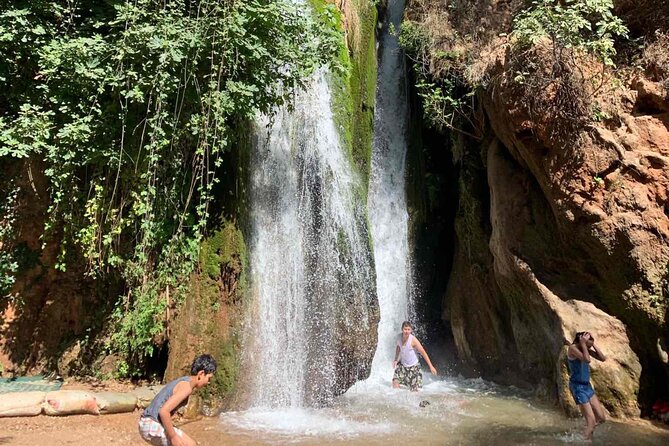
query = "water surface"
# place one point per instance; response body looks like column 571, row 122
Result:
column 460, row 412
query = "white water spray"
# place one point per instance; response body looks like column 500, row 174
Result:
column 311, row 264
column 387, row 194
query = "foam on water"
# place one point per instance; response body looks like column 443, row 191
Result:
column 300, row 422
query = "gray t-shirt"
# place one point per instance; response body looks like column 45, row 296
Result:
column 159, row 401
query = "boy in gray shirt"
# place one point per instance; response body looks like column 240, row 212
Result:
column 155, row 424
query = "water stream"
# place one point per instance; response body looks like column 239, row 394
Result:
column 387, row 193
column 461, row 412
column 311, row 262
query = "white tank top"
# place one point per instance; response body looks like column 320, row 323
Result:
column 408, row 356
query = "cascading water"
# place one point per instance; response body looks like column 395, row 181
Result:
column 387, row 197
column 311, row 262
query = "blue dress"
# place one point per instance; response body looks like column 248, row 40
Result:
column 579, row 381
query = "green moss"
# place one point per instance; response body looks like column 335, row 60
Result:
column 354, row 80
column 228, row 368
column 363, row 87
column 203, row 330
column 226, row 247
column 209, row 320
column 224, row 381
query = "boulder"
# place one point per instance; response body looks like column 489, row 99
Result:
column 616, row 380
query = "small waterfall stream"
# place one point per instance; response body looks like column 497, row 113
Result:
column 387, row 192
column 311, row 263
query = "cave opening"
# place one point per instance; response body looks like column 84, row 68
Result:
column 432, row 197
column 156, row 364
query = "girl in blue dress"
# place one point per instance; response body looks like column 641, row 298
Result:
column 579, row 356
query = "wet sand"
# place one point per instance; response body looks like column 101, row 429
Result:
column 91, row 430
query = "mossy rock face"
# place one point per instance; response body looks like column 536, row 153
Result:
column 354, row 81
column 208, row 321
column 225, row 249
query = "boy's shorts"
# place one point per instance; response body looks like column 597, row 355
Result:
column 154, row 433
column 409, row 376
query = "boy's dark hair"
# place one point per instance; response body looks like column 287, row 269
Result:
column 578, row 336
column 205, row 363
column 406, row 324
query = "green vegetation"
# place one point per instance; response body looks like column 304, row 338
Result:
column 561, row 80
column 130, row 106
column 8, row 263
column 224, row 248
column 447, row 101
column 558, row 79
column 225, row 379
column 589, row 25
column 362, row 83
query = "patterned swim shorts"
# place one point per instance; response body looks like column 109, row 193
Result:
column 154, row 433
column 409, row 376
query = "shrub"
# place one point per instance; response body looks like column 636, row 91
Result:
column 447, row 101
column 8, row 263
column 559, row 47
column 582, row 24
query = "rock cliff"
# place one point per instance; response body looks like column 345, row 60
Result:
column 562, row 219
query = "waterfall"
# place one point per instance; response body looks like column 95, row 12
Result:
column 387, row 193
column 311, row 264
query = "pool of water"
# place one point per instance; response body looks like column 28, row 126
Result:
column 453, row 412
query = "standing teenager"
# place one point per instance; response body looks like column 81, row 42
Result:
column 579, row 356
column 406, row 363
